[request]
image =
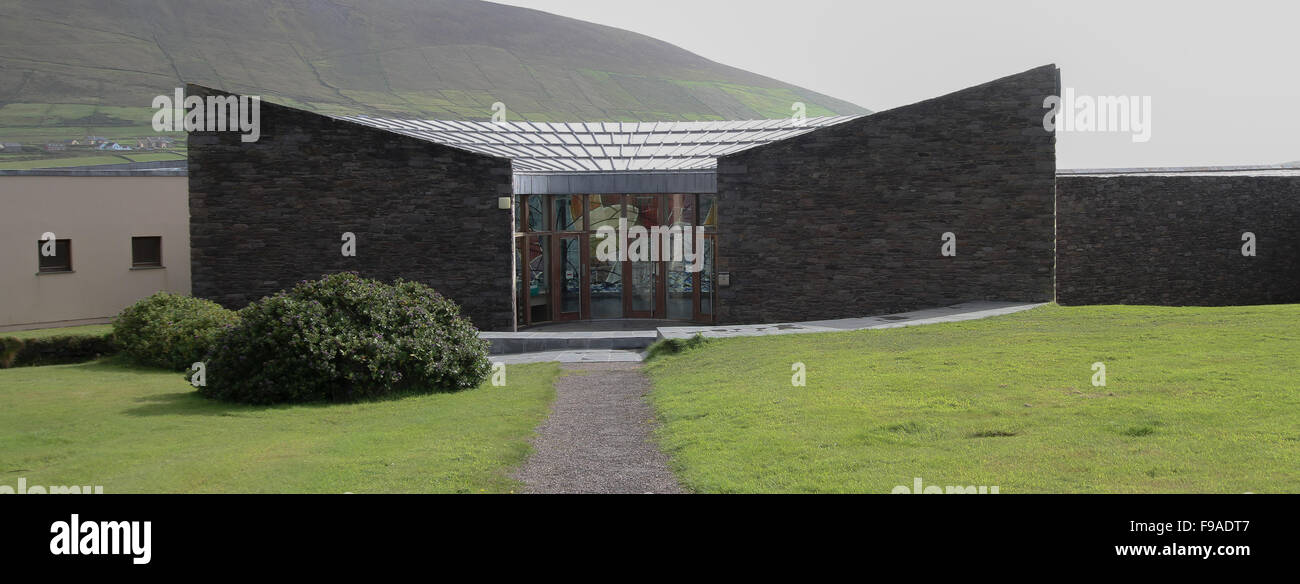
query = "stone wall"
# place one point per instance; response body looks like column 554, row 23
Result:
column 847, row 220
column 267, row 214
column 1177, row 240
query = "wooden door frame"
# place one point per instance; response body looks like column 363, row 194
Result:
column 657, row 293
column 557, row 277
column 525, row 277
column 555, row 263
column 627, row 291
column 697, row 288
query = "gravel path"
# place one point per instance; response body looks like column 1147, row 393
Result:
column 597, row 439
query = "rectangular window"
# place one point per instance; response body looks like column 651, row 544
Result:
column 537, row 214
column 146, row 252
column 643, row 210
column 568, row 212
column 681, row 211
column 60, row 261
column 708, row 211
column 604, row 211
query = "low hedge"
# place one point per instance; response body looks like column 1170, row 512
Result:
column 54, row 350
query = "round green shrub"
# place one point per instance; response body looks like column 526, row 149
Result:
column 170, row 330
column 345, row 338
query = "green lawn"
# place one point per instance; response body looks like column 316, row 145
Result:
column 89, row 329
column 1196, row 400
column 59, row 162
column 154, row 156
column 137, row 430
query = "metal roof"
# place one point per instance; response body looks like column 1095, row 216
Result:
column 602, row 146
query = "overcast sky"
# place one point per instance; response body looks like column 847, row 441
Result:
column 1224, row 78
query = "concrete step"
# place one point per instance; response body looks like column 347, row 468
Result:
column 572, row 356
column 533, row 342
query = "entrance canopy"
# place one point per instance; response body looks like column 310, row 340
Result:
column 595, row 147
column 572, row 179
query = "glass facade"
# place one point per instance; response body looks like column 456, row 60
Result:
column 651, row 269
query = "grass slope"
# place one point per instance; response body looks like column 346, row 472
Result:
column 88, row 329
column 1196, row 400
column 136, row 430
column 70, row 68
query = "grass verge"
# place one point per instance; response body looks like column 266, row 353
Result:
column 139, row 430
column 1196, row 400
column 88, row 329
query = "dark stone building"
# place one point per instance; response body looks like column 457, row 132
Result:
column 800, row 219
column 267, row 214
column 1177, row 239
column 948, row 200
column 848, row 220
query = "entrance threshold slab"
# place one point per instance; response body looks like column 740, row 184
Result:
column 610, row 324
column 532, row 342
column 557, row 342
column 572, row 356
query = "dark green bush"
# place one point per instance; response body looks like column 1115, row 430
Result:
column 345, row 338
column 16, row 352
column 170, row 330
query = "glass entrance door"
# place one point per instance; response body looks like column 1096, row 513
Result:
column 566, row 270
column 642, row 284
column 568, row 277
column 537, row 269
column 641, row 299
column 605, row 280
column 679, row 281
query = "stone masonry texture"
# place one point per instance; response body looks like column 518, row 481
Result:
column 847, row 221
column 1177, row 240
column 267, row 214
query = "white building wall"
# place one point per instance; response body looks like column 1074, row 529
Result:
column 99, row 214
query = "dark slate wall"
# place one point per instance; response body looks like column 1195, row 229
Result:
column 268, row 214
column 846, row 221
column 1176, row 240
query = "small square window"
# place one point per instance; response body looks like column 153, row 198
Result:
column 146, row 252
column 61, row 261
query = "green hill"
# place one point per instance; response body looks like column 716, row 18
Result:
column 70, row 68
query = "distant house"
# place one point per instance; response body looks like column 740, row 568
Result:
column 55, row 147
column 95, row 140
column 158, row 142
column 11, row 147
column 112, row 146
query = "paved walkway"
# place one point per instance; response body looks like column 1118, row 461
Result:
column 954, row 313
column 597, row 438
